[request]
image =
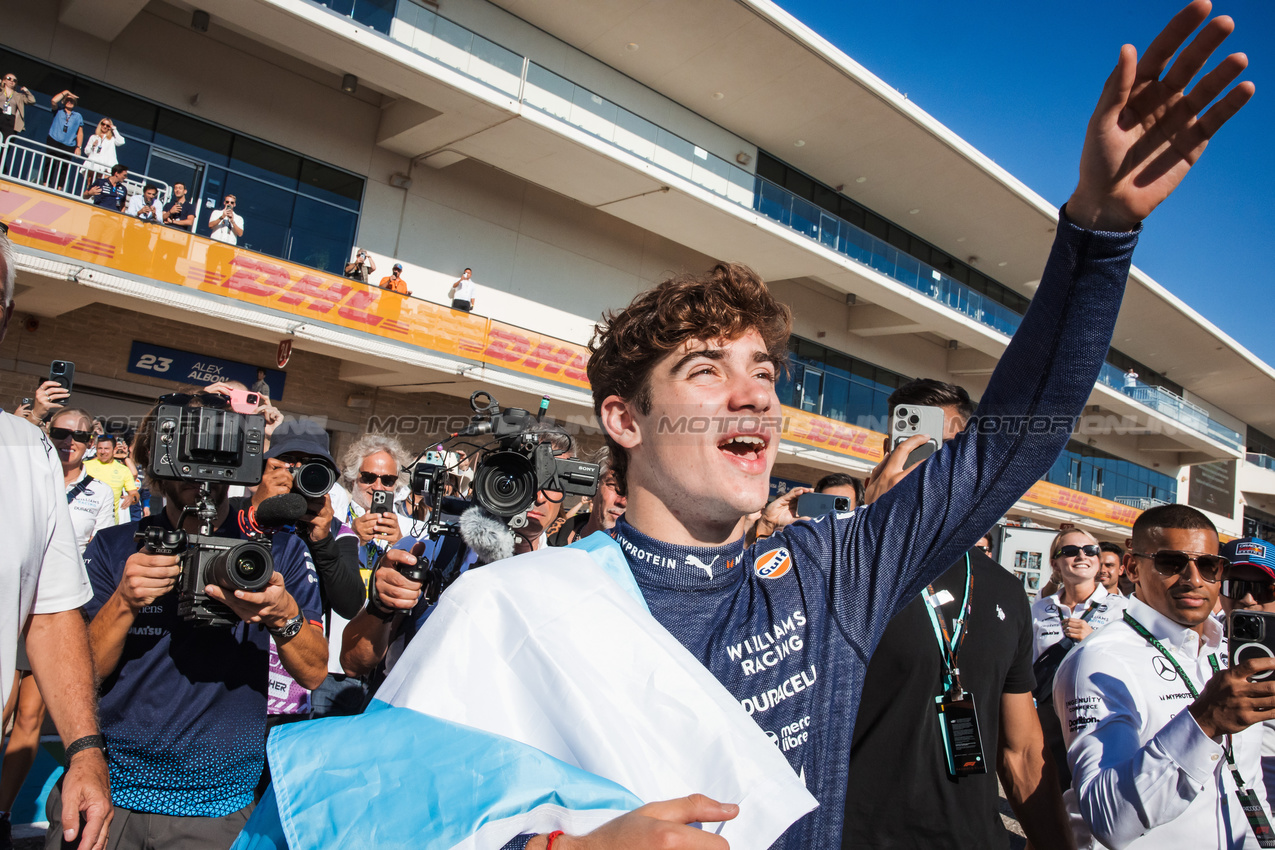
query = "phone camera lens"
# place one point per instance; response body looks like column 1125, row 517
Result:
column 914, row 419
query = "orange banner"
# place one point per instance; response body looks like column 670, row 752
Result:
column 86, row 233
column 1051, row 495
column 820, row 432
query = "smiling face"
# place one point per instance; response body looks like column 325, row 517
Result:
column 70, row 451
column 1186, row 599
column 700, row 456
column 378, row 464
column 1077, row 569
column 1109, row 571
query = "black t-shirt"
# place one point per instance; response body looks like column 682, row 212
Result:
column 180, row 210
column 899, row 793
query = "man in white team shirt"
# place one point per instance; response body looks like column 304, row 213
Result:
column 42, row 585
column 462, row 292
column 92, row 502
column 1151, row 714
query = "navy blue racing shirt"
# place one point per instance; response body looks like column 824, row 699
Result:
column 788, row 625
column 184, row 712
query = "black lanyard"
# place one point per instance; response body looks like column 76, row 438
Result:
column 950, row 645
column 1248, row 799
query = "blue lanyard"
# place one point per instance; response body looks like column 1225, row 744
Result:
column 950, row 647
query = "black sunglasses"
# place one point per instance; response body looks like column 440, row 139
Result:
column 58, row 434
column 371, row 478
column 1237, row 588
column 1090, row 549
column 1172, row 562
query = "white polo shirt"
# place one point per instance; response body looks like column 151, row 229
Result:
column 1048, row 614
column 41, row 571
column 464, row 290
column 1135, row 751
column 223, row 232
column 92, row 508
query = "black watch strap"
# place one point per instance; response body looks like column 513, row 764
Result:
column 88, row 742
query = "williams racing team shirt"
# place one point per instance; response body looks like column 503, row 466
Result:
column 184, row 711
column 1048, row 615
column 1144, row 775
column 788, row 624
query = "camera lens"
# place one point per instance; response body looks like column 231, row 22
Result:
column 505, row 483
column 914, row 419
column 313, row 479
column 1246, row 628
column 245, row 566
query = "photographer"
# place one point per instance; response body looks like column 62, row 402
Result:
column 361, row 266
column 295, row 444
column 183, row 707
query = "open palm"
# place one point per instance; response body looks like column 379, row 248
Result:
column 1147, row 130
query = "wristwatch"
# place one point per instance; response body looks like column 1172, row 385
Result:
column 288, row 629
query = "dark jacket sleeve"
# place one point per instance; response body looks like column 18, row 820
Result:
column 881, row 556
column 339, row 578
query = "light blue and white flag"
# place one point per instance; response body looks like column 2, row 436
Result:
column 540, row 695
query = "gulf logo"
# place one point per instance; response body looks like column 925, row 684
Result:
column 773, row 564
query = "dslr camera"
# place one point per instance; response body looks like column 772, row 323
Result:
column 197, row 439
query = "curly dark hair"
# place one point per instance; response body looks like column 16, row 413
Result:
column 723, row 303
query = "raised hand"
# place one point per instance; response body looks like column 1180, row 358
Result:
column 1147, row 130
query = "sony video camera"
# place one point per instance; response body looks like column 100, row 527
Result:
column 198, row 439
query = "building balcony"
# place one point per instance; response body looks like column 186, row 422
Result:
column 83, row 254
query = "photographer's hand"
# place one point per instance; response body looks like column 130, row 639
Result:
column 395, row 590
column 276, row 480
column 146, row 578
column 304, row 655
column 321, row 522
column 367, row 637
column 779, row 513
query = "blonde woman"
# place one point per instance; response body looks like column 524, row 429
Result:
column 99, row 150
column 1062, row 620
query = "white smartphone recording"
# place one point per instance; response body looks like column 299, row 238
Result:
column 908, row 420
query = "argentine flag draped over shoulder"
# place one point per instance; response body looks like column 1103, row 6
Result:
column 539, row 695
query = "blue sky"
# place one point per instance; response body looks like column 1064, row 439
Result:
column 1018, row 80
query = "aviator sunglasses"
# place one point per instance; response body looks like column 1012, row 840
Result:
column 371, row 478
column 1172, row 562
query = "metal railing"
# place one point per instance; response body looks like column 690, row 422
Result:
column 1170, row 404
column 1142, row 503
column 1262, row 460
column 54, row 170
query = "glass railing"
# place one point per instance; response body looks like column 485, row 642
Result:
column 776, row 202
column 431, row 35
column 1170, row 404
column 1264, row 461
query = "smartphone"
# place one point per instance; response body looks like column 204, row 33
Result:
column 242, row 401
column 382, row 502
column 908, row 420
column 62, row 372
column 818, row 504
column 1251, row 634
column 27, row 402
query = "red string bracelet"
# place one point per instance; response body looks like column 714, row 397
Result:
column 552, row 837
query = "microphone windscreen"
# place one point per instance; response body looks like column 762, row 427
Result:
column 488, row 537
column 281, row 510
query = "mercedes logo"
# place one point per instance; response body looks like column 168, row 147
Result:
column 1163, row 668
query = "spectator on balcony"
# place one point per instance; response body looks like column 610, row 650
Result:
column 179, row 212
column 226, row 225
column 146, row 206
column 109, row 192
column 462, row 292
column 394, row 281
column 361, row 266
column 13, row 106
column 66, row 133
column 99, row 151
column 1130, row 379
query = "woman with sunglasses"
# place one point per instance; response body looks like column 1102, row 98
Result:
column 1062, row 620
column 99, row 151
column 13, row 106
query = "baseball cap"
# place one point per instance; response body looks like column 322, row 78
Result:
column 300, row 435
column 398, row 267
column 1251, row 552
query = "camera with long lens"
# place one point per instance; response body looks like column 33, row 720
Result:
column 208, row 445
column 313, row 479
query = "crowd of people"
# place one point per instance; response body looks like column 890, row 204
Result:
column 898, row 671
